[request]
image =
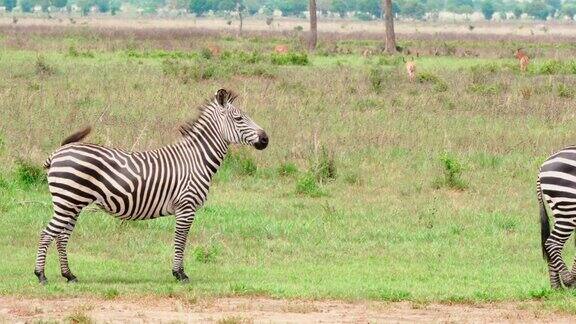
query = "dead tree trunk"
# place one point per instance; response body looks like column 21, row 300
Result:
column 390, row 46
column 239, row 8
column 313, row 26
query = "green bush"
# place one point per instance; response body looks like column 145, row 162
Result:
column 564, row 91
column 240, row 163
column 289, row 59
column 307, row 185
column 287, row 169
column 551, row 67
column 452, row 173
column 427, row 77
column 29, row 174
column 206, row 254
column 324, row 166
column 73, row 52
column 42, row 67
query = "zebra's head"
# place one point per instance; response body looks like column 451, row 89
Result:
column 237, row 127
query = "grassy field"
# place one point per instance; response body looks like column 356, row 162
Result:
column 372, row 188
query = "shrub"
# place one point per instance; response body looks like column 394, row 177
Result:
column 29, row 174
column 73, row 52
column 324, row 166
column 206, row 254
column 551, row 67
column 452, row 173
column 206, row 53
column 427, row 77
column 287, row 169
column 307, row 185
column 185, row 71
column 240, row 163
column 376, row 78
column 260, row 70
column 486, row 89
column 42, row 67
column 290, row 59
column 564, row 91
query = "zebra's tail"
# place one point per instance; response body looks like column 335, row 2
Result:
column 76, row 137
column 544, row 223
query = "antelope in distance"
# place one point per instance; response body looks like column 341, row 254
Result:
column 410, row 69
column 523, row 59
column 214, row 49
column 281, row 49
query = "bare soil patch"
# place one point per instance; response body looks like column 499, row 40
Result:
column 258, row 310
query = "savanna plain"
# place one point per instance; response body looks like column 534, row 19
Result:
column 373, row 188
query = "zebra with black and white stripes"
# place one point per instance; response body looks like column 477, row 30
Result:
column 172, row 180
column 556, row 187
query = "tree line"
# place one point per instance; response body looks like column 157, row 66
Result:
column 361, row 9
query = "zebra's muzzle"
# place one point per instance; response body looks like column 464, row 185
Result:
column 262, row 141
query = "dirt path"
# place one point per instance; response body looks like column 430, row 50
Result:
column 260, row 310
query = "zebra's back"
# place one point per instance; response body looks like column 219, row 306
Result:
column 140, row 185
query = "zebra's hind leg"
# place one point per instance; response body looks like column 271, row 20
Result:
column 184, row 219
column 60, row 227
column 45, row 239
column 554, row 244
column 61, row 244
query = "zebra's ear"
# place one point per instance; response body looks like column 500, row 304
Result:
column 222, row 97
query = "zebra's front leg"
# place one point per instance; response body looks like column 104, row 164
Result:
column 184, row 219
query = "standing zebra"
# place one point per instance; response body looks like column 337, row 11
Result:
column 556, row 187
column 172, row 180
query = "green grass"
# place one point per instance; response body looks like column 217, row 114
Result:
column 276, row 223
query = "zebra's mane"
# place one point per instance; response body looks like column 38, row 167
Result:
column 221, row 96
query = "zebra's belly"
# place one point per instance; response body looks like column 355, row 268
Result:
column 141, row 211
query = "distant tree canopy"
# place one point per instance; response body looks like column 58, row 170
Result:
column 362, row 9
column 9, row 4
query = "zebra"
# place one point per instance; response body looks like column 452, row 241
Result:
column 556, row 188
column 171, row 180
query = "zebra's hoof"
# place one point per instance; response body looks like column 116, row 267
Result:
column 181, row 276
column 41, row 277
column 567, row 279
column 70, row 277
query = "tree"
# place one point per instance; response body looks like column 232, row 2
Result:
column 460, row 6
column 26, row 5
column 45, row 5
column 292, row 7
column 85, row 6
column 537, row 9
column 199, row 7
column 59, row 3
column 569, row 10
column 554, row 6
column 518, row 10
column 239, row 8
column 341, row 7
column 413, row 9
column 369, row 6
column 313, row 26
column 488, row 10
column 390, row 46
column 103, row 5
column 9, row 5
column 115, row 6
